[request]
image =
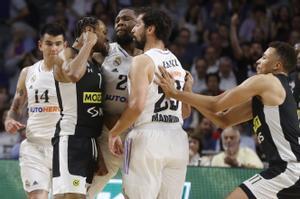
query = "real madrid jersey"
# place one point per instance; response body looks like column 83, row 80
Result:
column 115, row 70
column 158, row 108
column 43, row 107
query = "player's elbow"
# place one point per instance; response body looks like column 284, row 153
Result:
column 136, row 106
column 73, row 77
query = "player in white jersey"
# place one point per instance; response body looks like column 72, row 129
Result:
column 156, row 148
column 115, row 70
column 36, row 87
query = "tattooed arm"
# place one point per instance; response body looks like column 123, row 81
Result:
column 11, row 121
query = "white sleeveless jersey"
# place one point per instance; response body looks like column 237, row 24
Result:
column 157, row 107
column 43, row 106
column 115, row 70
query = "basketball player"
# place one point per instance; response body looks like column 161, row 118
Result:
column 79, row 90
column 267, row 100
column 36, row 87
column 115, row 75
column 156, row 148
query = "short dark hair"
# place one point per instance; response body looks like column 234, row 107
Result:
column 160, row 20
column 53, row 29
column 84, row 22
column 216, row 75
column 286, row 53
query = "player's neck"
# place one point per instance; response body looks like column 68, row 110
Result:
column 129, row 48
column 154, row 44
column 48, row 64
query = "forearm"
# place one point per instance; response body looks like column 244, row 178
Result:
column 126, row 120
column 77, row 67
column 235, row 42
column 202, row 102
column 186, row 110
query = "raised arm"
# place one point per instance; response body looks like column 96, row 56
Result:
column 20, row 99
column 73, row 65
column 234, row 41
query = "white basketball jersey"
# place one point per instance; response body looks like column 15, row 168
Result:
column 43, row 106
column 115, row 70
column 157, row 107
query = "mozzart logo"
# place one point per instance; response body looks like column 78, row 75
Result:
column 113, row 190
column 92, row 97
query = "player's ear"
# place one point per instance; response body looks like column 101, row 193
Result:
column 151, row 29
column 277, row 66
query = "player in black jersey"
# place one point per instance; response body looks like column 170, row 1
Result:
column 79, row 91
column 267, row 100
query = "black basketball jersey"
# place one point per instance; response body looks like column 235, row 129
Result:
column 277, row 127
column 81, row 104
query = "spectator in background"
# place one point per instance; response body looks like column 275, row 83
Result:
column 234, row 155
column 257, row 19
column 193, row 20
column 195, row 151
column 281, row 23
column 245, row 57
column 198, row 72
column 217, row 15
column 211, row 58
column 206, row 130
column 226, row 74
column 186, row 50
column 212, row 81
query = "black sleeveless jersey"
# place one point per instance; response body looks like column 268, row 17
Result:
column 81, row 104
column 277, row 127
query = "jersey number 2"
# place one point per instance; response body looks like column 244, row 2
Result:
column 43, row 96
column 122, row 83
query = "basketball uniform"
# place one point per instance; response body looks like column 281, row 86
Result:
column 156, row 149
column 43, row 111
column 277, row 130
column 74, row 144
column 115, row 70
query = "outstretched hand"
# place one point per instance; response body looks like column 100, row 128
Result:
column 166, row 82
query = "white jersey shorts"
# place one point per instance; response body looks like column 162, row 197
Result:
column 36, row 165
column 155, row 161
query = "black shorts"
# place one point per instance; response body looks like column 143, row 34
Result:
column 74, row 163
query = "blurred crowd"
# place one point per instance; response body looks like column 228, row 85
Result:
column 218, row 41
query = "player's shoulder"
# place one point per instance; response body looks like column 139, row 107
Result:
column 32, row 67
column 142, row 58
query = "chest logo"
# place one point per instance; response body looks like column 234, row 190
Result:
column 256, row 123
column 117, row 61
column 92, row 97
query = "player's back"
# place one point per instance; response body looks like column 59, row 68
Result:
column 157, row 107
column 43, row 107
